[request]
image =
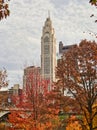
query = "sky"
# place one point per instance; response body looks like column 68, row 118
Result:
column 20, row 33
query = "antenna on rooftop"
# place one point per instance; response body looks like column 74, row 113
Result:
column 48, row 13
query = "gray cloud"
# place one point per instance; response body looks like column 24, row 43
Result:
column 20, row 34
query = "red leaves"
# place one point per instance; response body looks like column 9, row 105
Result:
column 36, row 108
column 79, row 73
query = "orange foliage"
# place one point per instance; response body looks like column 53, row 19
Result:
column 73, row 124
column 94, row 115
column 35, row 109
column 77, row 73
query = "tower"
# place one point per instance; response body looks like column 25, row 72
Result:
column 48, row 51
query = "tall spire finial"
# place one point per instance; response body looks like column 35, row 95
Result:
column 48, row 14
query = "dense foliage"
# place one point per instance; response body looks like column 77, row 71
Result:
column 77, row 73
column 36, row 108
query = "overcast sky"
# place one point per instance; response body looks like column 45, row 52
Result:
column 20, row 34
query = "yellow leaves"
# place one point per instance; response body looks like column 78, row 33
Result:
column 79, row 73
column 2, row 126
column 73, row 124
column 94, row 117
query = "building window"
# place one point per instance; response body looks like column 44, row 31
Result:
column 46, row 39
column 47, row 65
column 46, row 49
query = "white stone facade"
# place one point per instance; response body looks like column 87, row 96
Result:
column 48, row 51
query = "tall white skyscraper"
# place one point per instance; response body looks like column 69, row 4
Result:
column 48, row 51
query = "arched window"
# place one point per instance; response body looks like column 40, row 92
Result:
column 46, row 49
column 47, row 65
column 46, row 39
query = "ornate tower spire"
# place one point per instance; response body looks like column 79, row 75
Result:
column 48, row 13
column 48, row 51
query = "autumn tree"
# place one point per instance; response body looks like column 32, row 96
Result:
column 77, row 73
column 36, row 107
column 4, row 9
column 3, row 78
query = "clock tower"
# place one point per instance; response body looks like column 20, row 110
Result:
column 48, row 52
